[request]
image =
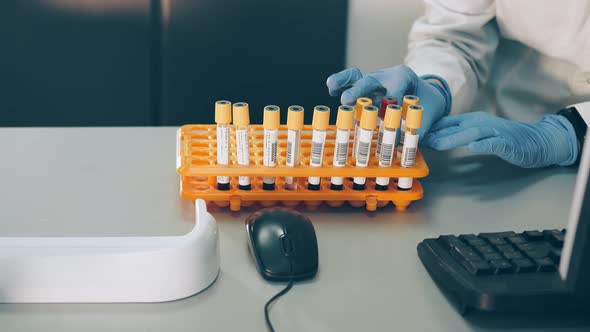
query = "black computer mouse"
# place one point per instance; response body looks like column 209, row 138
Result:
column 283, row 243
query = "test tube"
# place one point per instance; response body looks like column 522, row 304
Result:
column 365, row 137
column 407, row 101
column 294, row 126
column 413, row 123
column 391, row 123
column 223, row 120
column 321, row 119
column 360, row 103
column 271, row 122
column 241, row 116
column 344, row 122
column 387, row 100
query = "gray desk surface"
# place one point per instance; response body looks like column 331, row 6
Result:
column 122, row 181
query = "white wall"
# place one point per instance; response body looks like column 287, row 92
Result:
column 378, row 32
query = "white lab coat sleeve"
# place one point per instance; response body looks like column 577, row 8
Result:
column 456, row 40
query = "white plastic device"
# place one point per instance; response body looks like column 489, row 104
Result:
column 584, row 110
column 110, row 269
column 580, row 188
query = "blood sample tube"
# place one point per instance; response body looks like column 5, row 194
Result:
column 241, row 115
column 390, row 125
column 344, row 123
column 223, row 120
column 407, row 101
column 408, row 159
column 321, row 119
column 294, row 126
column 360, row 103
column 367, row 125
column 271, row 122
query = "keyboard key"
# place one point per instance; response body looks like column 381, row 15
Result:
column 497, row 241
column 524, row 265
column 485, row 249
column 465, row 253
column 467, row 237
column 477, row 267
column 472, row 240
column 477, row 242
column 513, row 255
column 496, row 238
column 504, row 248
column 555, row 255
column 538, row 253
column 545, row 264
column 489, row 257
column 533, row 235
column 526, row 246
column 451, row 241
column 501, row 266
column 497, row 235
column 555, row 237
column 516, row 240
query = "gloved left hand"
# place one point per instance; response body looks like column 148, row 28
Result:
column 552, row 141
column 396, row 82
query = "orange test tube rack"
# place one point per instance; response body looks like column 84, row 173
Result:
column 196, row 166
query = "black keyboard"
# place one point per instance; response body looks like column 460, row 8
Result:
column 500, row 272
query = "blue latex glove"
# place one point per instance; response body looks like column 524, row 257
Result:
column 396, row 82
column 552, row 141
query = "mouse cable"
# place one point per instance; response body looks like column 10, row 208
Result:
column 277, row 295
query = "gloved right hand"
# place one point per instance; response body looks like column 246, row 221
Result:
column 552, row 141
column 396, row 82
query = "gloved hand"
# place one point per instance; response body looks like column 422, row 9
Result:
column 396, row 82
column 552, row 141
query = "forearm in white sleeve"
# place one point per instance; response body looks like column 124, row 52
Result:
column 456, row 40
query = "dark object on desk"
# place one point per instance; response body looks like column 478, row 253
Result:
column 529, row 272
column 505, row 272
column 283, row 243
column 285, row 248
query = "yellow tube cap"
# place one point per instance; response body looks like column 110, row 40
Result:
column 369, row 117
column 414, row 117
column 408, row 100
column 222, row 112
column 345, row 117
column 272, row 117
column 321, row 117
column 295, row 117
column 241, row 114
column 360, row 103
column 393, row 116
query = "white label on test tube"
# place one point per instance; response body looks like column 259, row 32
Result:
column 355, row 142
column 402, row 135
column 409, row 150
column 223, row 151
column 293, row 144
column 318, row 141
column 379, row 137
column 386, row 155
column 408, row 159
column 270, row 153
column 340, row 153
column 362, row 154
column 243, row 152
